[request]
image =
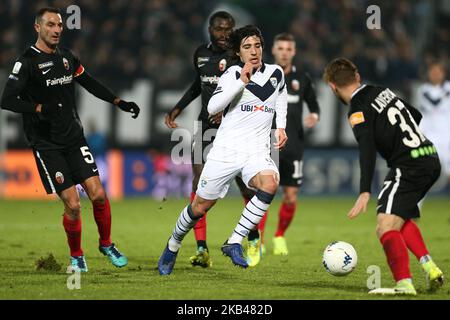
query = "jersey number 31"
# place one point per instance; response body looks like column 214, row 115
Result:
column 395, row 115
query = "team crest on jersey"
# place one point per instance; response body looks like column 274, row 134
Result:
column 274, row 81
column 203, row 183
column 222, row 65
column 295, row 84
column 66, row 63
column 59, row 177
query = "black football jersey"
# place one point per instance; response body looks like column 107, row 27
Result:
column 383, row 122
column 39, row 78
column 210, row 63
column 300, row 89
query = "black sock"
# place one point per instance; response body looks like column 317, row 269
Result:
column 202, row 243
column 253, row 234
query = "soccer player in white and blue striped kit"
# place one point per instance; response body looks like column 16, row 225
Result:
column 249, row 94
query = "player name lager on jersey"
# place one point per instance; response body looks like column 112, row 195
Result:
column 39, row 77
column 383, row 122
column 248, row 111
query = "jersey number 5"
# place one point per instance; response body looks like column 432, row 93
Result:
column 87, row 154
column 396, row 115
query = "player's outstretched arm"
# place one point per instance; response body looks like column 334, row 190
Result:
column 227, row 89
column 102, row 92
column 190, row 95
column 312, row 118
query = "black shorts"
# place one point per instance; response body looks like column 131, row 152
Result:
column 291, row 171
column 403, row 189
column 61, row 169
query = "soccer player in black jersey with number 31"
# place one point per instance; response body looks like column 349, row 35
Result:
column 382, row 122
column 41, row 87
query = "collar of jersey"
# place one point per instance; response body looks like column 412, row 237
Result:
column 263, row 66
column 357, row 90
column 57, row 51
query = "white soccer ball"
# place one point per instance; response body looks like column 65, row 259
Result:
column 339, row 258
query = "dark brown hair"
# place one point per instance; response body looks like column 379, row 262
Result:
column 341, row 72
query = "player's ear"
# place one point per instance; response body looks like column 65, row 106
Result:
column 358, row 77
column 37, row 27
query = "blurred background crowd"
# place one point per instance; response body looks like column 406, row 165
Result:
column 142, row 50
column 121, row 40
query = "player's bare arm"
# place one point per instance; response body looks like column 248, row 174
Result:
column 190, row 95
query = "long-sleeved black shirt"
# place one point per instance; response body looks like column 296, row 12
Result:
column 383, row 122
column 41, row 78
column 300, row 89
column 210, row 63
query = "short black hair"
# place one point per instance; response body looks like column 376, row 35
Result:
column 221, row 15
column 240, row 34
column 44, row 10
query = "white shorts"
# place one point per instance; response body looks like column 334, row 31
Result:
column 217, row 175
column 443, row 149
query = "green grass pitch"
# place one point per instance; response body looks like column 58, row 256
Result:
column 31, row 229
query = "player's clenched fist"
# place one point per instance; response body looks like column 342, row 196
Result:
column 247, row 72
column 280, row 135
column 169, row 120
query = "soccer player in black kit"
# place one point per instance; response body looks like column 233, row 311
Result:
column 210, row 62
column 41, row 87
column 300, row 89
column 382, row 122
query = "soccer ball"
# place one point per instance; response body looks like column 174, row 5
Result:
column 339, row 258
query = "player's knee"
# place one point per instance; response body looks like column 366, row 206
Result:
column 270, row 185
column 382, row 228
column 98, row 196
column 289, row 198
column 73, row 207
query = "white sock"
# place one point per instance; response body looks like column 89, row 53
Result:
column 250, row 217
column 184, row 224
